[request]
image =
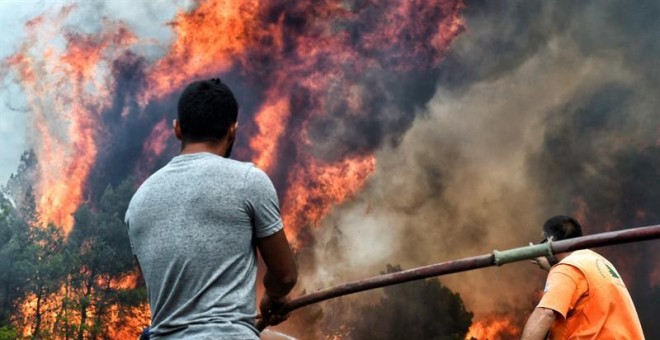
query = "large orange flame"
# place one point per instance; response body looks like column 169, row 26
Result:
column 315, row 187
column 492, row 328
column 209, row 39
column 123, row 323
column 66, row 90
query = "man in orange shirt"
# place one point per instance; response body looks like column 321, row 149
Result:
column 584, row 296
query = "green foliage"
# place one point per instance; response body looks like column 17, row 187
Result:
column 132, row 297
column 99, row 242
column 67, row 278
column 423, row 309
column 8, row 333
column 15, row 258
column 100, row 236
column 20, row 189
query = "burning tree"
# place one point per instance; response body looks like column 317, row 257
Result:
column 66, row 287
column 422, row 309
column 14, row 261
column 104, row 265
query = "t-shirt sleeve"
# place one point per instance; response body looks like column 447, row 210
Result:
column 563, row 289
column 126, row 222
column 262, row 203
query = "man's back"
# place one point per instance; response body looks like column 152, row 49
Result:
column 599, row 307
column 192, row 226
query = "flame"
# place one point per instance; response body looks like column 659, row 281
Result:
column 318, row 60
column 124, row 323
column 153, row 147
column 316, row 186
column 128, row 327
column 208, row 40
column 65, row 91
column 271, row 122
column 313, row 63
column 307, row 61
column 493, row 327
column 157, row 140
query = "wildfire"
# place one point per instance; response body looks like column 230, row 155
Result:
column 66, row 88
column 318, row 68
column 322, row 183
column 56, row 313
column 153, row 147
column 127, row 327
column 314, row 70
column 209, row 39
column 323, row 81
column 271, row 121
column 492, row 328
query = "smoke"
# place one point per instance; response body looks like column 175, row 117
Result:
column 541, row 108
column 144, row 18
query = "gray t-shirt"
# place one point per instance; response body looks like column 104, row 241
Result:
column 193, row 226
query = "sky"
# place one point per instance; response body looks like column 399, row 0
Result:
column 147, row 18
column 13, row 121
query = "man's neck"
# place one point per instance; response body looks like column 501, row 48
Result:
column 219, row 149
column 562, row 255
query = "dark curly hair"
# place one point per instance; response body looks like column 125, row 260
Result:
column 562, row 227
column 206, row 111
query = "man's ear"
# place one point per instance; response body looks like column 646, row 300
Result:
column 232, row 131
column 177, row 129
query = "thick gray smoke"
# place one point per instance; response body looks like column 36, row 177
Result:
column 543, row 108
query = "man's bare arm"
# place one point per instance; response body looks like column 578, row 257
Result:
column 281, row 273
column 538, row 324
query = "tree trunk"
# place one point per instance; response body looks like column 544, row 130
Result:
column 83, row 306
column 7, row 298
column 99, row 310
column 37, row 316
column 8, row 294
column 63, row 329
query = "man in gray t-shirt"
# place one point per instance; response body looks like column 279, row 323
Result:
column 195, row 223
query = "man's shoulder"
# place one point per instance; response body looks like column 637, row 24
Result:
column 579, row 262
column 203, row 164
column 211, row 160
column 244, row 172
column 572, row 265
column 582, row 255
column 195, row 170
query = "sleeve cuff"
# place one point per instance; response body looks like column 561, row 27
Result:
column 269, row 230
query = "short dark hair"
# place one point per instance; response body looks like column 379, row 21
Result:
column 206, row 110
column 562, row 227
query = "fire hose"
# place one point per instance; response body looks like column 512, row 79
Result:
column 496, row 258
